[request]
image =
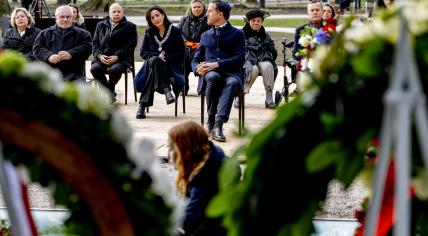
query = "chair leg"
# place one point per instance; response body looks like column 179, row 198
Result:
column 126, row 87
column 243, row 113
column 176, row 106
column 184, row 100
column 135, row 90
column 239, row 115
column 202, row 107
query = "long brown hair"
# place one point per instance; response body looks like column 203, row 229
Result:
column 191, row 145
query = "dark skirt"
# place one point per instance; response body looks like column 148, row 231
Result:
column 157, row 80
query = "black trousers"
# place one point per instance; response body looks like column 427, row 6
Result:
column 156, row 81
column 99, row 71
column 220, row 92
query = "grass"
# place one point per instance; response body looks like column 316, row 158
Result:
column 287, row 23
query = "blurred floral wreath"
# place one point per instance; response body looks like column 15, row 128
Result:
column 81, row 114
column 325, row 132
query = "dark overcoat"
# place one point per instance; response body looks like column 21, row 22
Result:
column 258, row 47
column 13, row 40
column 120, row 42
column 74, row 40
column 226, row 46
column 174, row 53
column 191, row 29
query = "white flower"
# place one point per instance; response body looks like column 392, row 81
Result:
column 421, row 184
column 304, row 80
column 318, row 57
column 304, row 63
column 417, row 15
column 146, row 160
column 121, row 130
column 92, row 100
column 49, row 79
column 351, row 47
column 305, row 40
column 309, row 97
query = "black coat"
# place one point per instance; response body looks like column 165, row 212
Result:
column 74, row 40
column 191, row 29
column 13, row 40
column 258, row 47
column 120, row 42
column 200, row 190
column 174, row 52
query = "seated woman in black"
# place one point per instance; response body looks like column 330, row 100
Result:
column 163, row 52
column 22, row 34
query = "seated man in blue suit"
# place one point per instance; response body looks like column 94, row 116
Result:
column 218, row 61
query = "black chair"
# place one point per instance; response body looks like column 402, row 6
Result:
column 128, row 70
column 176, row 102
column 241, row 117
column 132, row 71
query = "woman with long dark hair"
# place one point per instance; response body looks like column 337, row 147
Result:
column 192, row 26
column 163, row 52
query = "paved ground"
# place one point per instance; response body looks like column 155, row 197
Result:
column 339, row 203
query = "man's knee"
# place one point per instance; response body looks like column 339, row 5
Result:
column 212, row 76
column 117, row 69
column 97, row 69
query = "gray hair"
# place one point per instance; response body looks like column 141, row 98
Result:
column 316, row 1
column 27, row 14
column 115, row 4
column 61, row 8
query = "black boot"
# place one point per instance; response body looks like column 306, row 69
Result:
column 210, row 123
column 169, row 96
column 141, row 112
column 217, row 131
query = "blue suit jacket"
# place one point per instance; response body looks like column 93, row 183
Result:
column 227, row 47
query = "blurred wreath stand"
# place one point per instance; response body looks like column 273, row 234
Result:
column 405, row 105
column 71, row 140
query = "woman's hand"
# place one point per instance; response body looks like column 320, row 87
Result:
column 162, row 56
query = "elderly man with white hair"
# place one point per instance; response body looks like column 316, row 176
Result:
column 64, row 46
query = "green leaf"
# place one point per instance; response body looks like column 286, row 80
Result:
column 330, row 121
column 323, row 156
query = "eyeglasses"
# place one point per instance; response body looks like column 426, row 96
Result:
column 65, row 17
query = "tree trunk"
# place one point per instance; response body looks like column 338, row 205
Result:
column 94, row 5
column 4, row 7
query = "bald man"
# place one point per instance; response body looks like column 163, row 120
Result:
column 64, row 46
column 114, row 42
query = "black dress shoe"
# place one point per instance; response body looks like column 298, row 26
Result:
column 217, row 134
column 169, row 98
column 210, row 126
column 141, row 112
